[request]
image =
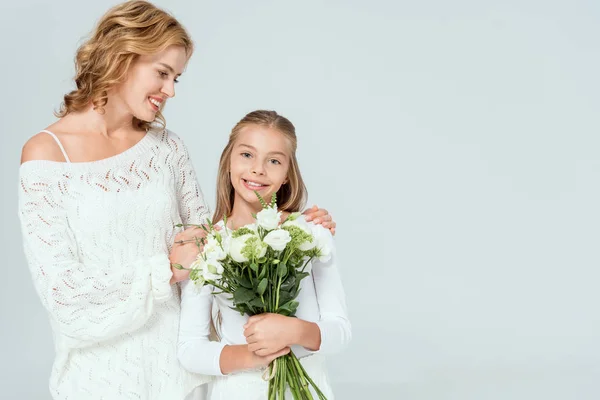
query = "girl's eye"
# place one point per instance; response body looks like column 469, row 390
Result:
column 246, row 155
column 274, row 161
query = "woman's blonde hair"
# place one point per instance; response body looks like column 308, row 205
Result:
column 291, row 196
column 124, row 33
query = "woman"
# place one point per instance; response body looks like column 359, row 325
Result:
column 101, row 191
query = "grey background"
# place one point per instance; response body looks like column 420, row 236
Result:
column 455, row 143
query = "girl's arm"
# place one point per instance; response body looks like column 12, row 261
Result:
column 267, row 333
column 196, row 352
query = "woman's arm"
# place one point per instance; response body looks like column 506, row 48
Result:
column 87, row 302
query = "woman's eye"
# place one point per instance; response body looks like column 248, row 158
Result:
column 246, row 155
column 163, row 74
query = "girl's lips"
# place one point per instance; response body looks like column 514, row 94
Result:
column 252, row 187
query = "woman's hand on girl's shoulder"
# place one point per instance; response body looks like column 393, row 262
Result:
column 320, row 216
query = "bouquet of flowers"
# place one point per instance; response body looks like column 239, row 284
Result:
column 261, row 266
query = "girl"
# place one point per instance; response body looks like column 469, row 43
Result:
column 260, row 156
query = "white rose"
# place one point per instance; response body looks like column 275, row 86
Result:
column 323, row 241
column 262, row 250
column 252, row 226
column 212, row 270
column 212, row 249
column 303, row 225
column 278, row 239
column 236, row 245
column 268, row 218
column 197, row 264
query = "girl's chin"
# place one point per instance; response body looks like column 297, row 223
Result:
column 252, row 200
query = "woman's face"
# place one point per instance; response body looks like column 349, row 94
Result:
column 151, row 81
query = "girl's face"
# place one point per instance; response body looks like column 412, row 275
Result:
column 260, row 160
column 151, row 81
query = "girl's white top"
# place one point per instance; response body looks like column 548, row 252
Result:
column 321, row 298
column 97, row 236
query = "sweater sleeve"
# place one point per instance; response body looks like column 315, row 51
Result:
column 192, row 207
column 195, row 351
column 88, row 303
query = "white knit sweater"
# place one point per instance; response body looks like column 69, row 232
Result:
column 97, row 237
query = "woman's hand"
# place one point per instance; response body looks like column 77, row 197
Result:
column 320, row 216
column 269, row 333
column 184, row 252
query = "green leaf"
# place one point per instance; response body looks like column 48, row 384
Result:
column 257, row 302
column 284, row 297
column 281, row 269
column 254, row 267
column 243, row 295
column 290, row 307
column 263, row 272
column 289, row 283
column 302, row 275
column 260, row 199
column 245, row 282
column 262, row 286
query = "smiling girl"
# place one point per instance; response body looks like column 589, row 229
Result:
column 261, row 156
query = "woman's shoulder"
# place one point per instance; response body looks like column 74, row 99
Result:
column 42, row 146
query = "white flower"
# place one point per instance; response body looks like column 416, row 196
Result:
column 268, row 218
column 277, row 239
column 303, row 225
column 197, row 264
column 208, row 270
column 252, row 227
column 236, row 245
column 212, row 249
column 212, row 270
column 323, row 242
column 242, row 247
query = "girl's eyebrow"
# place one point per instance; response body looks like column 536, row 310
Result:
column 254, row 148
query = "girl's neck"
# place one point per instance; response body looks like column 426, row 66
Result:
column 242, row 214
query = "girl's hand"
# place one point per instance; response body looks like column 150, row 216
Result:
column 257, row 361
column 269, row 333
column 320, row 216
column 184, row 252
column 237, row 357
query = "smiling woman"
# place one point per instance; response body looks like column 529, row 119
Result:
column 101, row 191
